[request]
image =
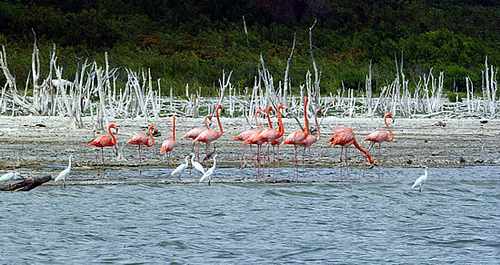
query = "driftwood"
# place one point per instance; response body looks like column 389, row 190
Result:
column 26, row 184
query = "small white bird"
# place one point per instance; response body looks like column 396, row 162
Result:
column 197, row 165
column 13, row 175
column 208, row 174
column 420, row 181
column 179, row 169
column 64, row 173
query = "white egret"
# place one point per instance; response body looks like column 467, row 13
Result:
column 179, row 169
column 197, row 165
column 64, row 173
column 419, row 182
column 208, row 174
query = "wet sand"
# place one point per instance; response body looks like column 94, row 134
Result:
column 35, row 149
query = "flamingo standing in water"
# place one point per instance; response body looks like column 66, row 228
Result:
column 208, row 136
column 257, row 139
column 344, row 137
column 297, row 138
column 195, row 132
column 382, row 135
column 310, row 138
column 168, row 145
column 270, row 135
column 108, row 140
column 245, row 135
column 141, row 139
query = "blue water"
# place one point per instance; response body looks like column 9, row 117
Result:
column 358, row 217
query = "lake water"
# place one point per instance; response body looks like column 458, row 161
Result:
column 347, row 216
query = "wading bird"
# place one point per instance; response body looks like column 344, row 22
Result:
column 345, row 137
column 208, row 174
column 208, row 136
column 310, row 138
column 180, row 168
column 108, row 140
column 257, row 139
column 383, row 134
column 196, row 165
column 419, row 182
column 141, row 139
column 297, row 137
column 247, row 134
column 169, row 143
column 64, row 173
column 271, row 135
column 195, row 132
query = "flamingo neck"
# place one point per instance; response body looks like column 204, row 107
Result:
column 365, row 152
column 269, row 122
column 173, row 128
column 221, row 130
column 281, row 129
column 306, row 120
column 150, row 135
column 113, row 137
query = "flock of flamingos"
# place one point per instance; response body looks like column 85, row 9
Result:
column 259, row 136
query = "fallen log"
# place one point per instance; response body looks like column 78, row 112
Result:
column 26, row 184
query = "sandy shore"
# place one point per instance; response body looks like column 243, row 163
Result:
column 24, row 144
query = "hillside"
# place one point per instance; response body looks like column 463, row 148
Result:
column 192, row 41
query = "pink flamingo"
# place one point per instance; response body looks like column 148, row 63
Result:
column 108, row 140
column 257, row 139
column 344, row 137
column 208, row 136
column 141, row 139
column 297, row 137
column 270, row 135
column 277, row 142
column 169, row 143
column 245, row 135
column 311, row 139
column 383, row 134
column 195, row 132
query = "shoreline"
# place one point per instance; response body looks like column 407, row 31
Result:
column 462, row 142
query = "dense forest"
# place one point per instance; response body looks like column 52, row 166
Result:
column 192, row 41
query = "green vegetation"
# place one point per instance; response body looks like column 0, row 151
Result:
column 191, row 41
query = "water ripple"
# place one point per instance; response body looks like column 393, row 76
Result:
column 346, row 216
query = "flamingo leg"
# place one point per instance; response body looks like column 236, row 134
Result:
column 197, row 151
column 258, row 160
column 346, row 157
column 241, row 156
column 278, row 155
column 341, row 152
column 268, row 156
column 295, row 161
column 140, row 154
column 379, row 147
column 304, row 156
column 102, row 155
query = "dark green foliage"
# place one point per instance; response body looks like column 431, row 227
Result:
column 192, row 41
